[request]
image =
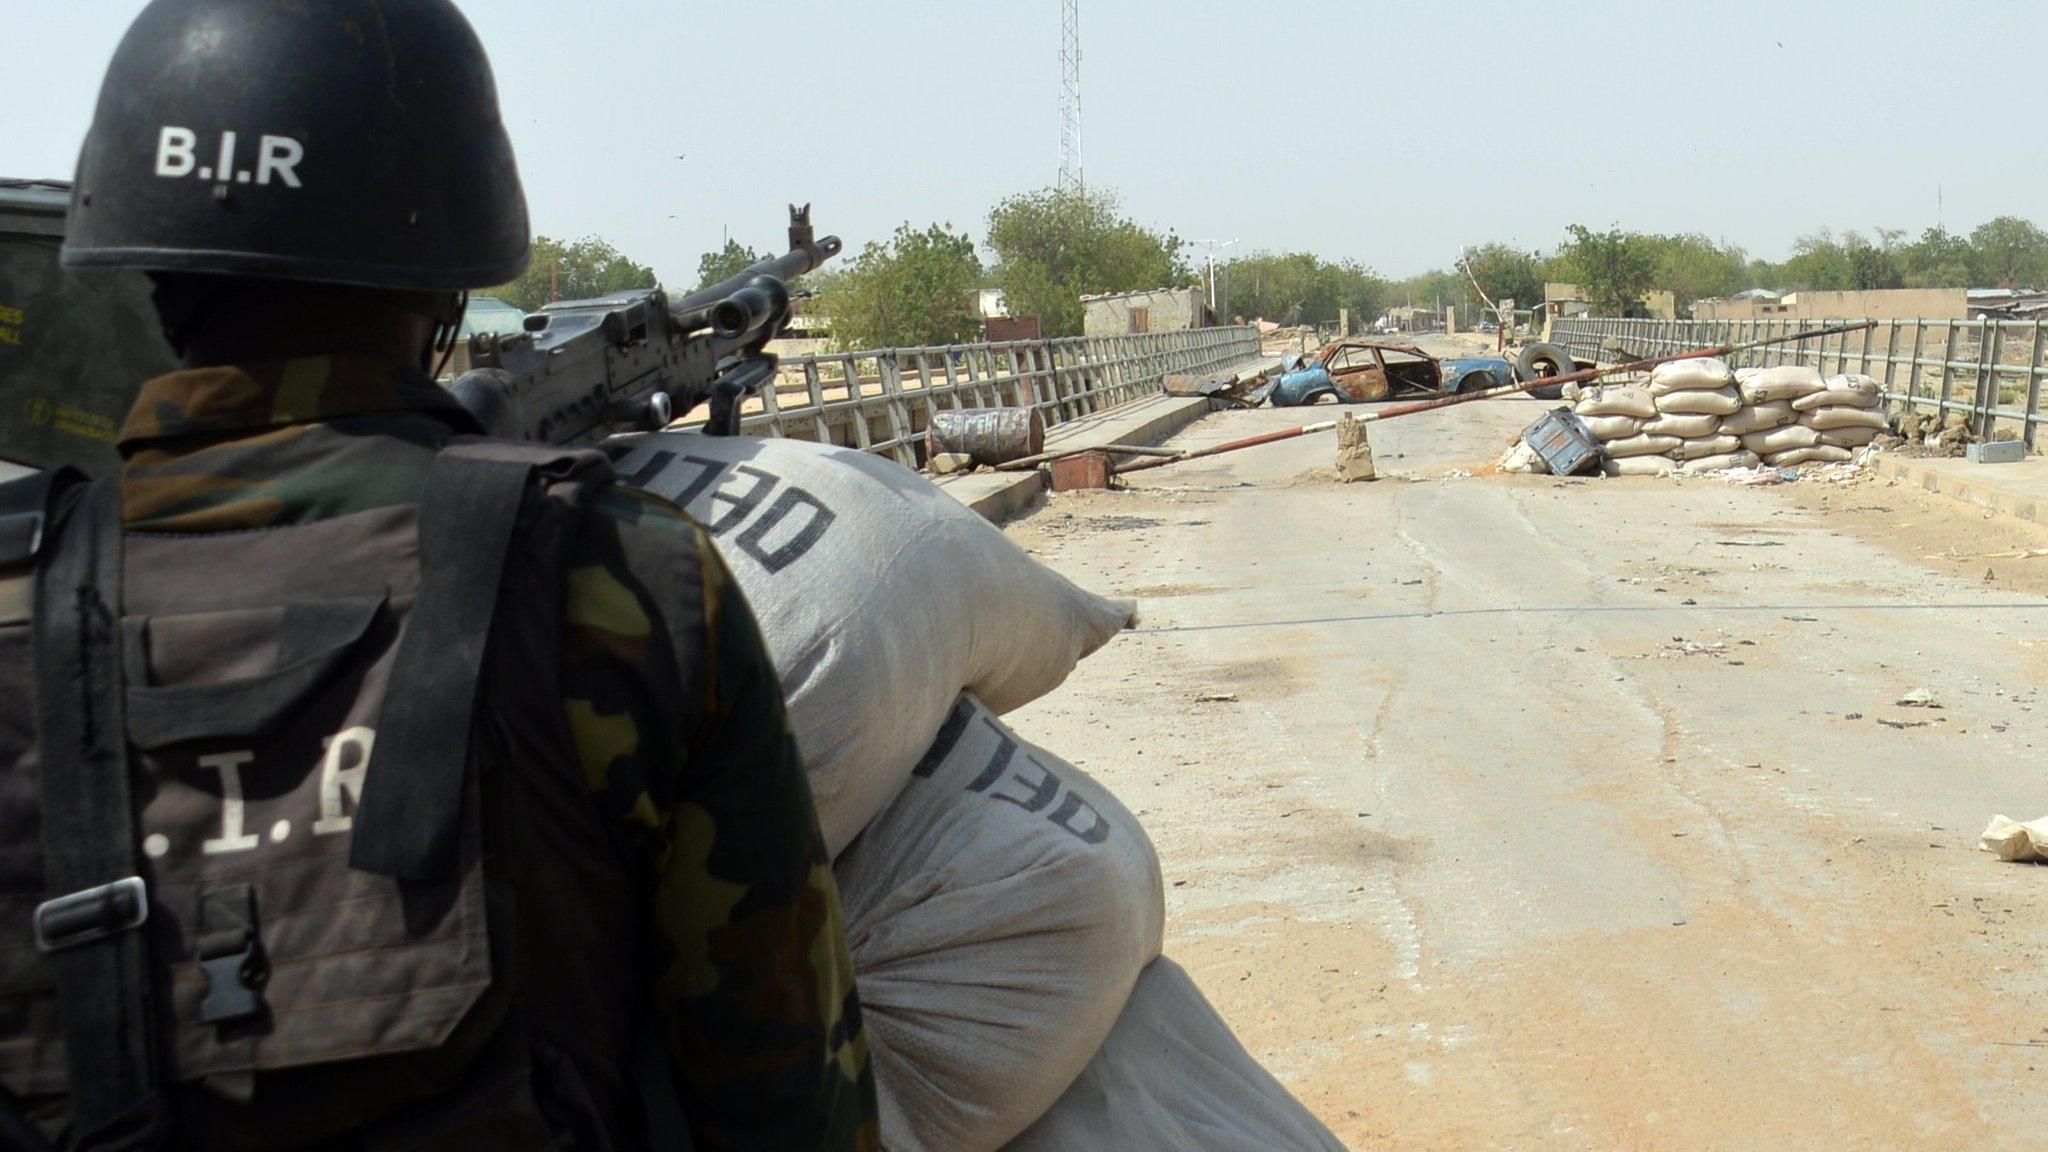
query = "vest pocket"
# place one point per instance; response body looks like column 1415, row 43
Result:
column 312, row 641
column 256, row 730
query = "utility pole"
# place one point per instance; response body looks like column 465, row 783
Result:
column 1212, row 246
column 1071, row 179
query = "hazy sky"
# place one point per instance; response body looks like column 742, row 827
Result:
column 1347, row 129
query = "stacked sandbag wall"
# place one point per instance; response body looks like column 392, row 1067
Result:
column 1001, row 905
column 1696, row 416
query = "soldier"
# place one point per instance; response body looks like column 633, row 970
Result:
column 364, row 783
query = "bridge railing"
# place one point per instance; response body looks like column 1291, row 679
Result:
column 882, row 400
column 1990, row 371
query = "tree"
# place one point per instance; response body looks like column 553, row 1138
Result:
column 1054, row 246
column 2009, row 252
column 725, row 263
column 588, row 267
column 1939, row 259
column 1819, row 263
column 1507, row 273
column 1694, row 267
column 1874, row 267
column 1615, row 269
column 1299, row 288
column 917, row 289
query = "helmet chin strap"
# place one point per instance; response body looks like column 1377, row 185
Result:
column 447, row 322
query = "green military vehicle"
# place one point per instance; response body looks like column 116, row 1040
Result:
column 73, row 345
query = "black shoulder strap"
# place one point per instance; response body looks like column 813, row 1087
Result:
column 410, row 817
column 408, row 821
column 88, row 834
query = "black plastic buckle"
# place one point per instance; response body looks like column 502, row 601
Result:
column 234, row 986
column 231, row 956
column 92, row 914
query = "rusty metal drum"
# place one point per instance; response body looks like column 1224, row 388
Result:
column 989, row 436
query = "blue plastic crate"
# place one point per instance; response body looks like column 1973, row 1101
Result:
column 1565, row 444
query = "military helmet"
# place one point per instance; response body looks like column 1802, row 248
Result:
column 340, row 141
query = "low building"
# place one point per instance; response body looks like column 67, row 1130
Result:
column 807, row 334
column 1009, row 329
column 2007, row 304
column 1158, row 310
column 1410, row 318
column 1569, row 300
column 1879, row 304
column 490, row 314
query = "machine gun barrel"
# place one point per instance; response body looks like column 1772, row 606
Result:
column 737, row 305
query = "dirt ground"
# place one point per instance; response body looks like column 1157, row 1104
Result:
column 1510, row 812
column 1945, row 535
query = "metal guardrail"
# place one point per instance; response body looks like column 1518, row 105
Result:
column 882, row 400
column 1989, row 370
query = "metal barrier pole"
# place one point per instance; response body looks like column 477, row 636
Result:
column 1948, row 360
column 2033, row 389
column 1990, row 347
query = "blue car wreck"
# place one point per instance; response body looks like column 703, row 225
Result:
column 1357, row 370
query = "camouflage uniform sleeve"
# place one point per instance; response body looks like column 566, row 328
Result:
column 752, row 979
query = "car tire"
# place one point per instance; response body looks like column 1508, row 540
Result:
column 1540, row 360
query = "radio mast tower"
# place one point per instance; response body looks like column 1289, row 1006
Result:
column 1070, row 98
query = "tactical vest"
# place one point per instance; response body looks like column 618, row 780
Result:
column 320, row 868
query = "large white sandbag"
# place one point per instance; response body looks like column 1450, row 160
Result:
column 1705, row 446
column 1759, row 417
column 1818, row 454
column 1172, row 1078
column 1843, row 416
column 1616, row 400
column 1856, row 382
column 1851, row 391
column 1641, row 445
column 1702, row 372
column 1708, row 401
column 881, row 598
column 1785, row 382
column 998, row 911
column 1639, row 466
column 1849, row 437
column 1742, row 459
column 1781, row 439
column 1685, row 425
column 1606, row 428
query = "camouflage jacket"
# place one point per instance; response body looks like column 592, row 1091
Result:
column 757, row 992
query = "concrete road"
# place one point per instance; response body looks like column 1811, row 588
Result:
column 1579, row 814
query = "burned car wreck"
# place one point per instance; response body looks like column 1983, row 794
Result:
column 1361, row 369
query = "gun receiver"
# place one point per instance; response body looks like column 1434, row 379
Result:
column 584, row 370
